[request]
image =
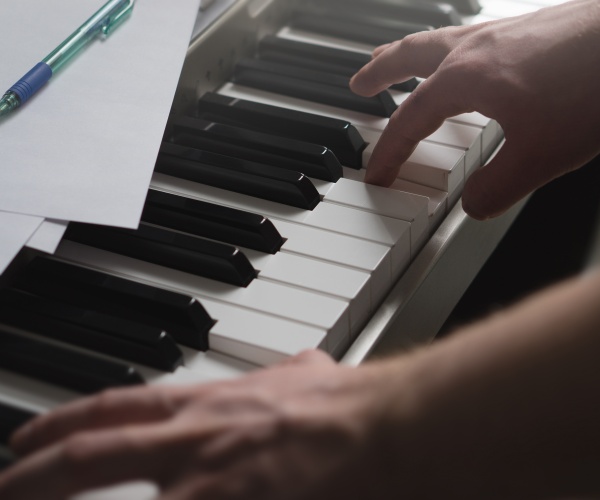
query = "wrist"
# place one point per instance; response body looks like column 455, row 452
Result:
column 394, row 391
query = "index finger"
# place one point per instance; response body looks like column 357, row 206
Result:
column 419, row 116
column 110, row 408
column 415, row 55
column 92, row 460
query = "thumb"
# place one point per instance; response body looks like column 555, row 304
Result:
column 512, row 174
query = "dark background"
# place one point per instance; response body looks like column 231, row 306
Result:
column 550, row 240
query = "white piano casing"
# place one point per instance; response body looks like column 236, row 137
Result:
column 417, row 305
column 423, row 297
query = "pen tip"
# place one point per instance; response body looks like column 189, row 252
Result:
column 4, row 108
column 8, row 102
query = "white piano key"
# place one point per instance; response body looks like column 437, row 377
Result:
column 545, row 3
column 207, row 366
column 435, row 165
column 139, row 490
column 269, row 298
column 489, row 129
column 32, row 395
column 429, row 154
column 336, row 193
column 465, row 137
column 256, row 337
column 39, row 396
column 478, row 19
column 372, row 258
column 380, row 229
column 390, row 203
column 324, row 40
column 499, row 9
column 322, row 186
column 352, row 222
column 506, row 8
column 344, row 283
column 491, row 133
column 438, row 200
column 212, row 369
column 475, row 119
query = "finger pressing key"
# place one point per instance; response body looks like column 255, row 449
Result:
column 419, row 116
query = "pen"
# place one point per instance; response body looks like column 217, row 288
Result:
column 103, row 22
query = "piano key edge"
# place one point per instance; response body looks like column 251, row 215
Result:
column 422, row 299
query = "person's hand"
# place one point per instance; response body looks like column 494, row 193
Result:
column 536, row 74
column 281, row 433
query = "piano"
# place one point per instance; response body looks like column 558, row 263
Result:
column 259, row 238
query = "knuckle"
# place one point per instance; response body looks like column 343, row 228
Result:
column 76, row 452
column 410, row 42
column 162, row 402
column 104, row 402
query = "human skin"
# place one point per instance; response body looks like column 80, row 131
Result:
column 506, row 408
column 536, row 74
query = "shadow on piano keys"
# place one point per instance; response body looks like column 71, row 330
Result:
column 257, row 241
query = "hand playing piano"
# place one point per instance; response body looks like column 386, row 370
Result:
column 536, row 74
column 275, row 434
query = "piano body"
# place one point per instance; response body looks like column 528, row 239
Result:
column 388, row 267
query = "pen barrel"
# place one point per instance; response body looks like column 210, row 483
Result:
column 32, row 82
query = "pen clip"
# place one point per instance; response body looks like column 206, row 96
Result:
column 116, row 18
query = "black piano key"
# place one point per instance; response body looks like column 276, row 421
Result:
column 408, row 11
column 61, row 366
column 225, row 224
column 361, row 29
column 11, row 418
column 320, row 58
column 235, row 174
column 97, row 332
column 338, row 135
column 310, row 159
column 181, row 315
column 161, row 246
column 325, row 88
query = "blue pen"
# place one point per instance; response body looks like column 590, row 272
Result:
column 103, row 22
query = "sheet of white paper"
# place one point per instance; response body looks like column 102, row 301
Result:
column 210, row 14
column 15, row 230
column 84, row 147
column 47, row 237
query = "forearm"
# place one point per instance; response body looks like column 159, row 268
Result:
column 508, row 408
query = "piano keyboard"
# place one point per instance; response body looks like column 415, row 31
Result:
column 257, row 241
